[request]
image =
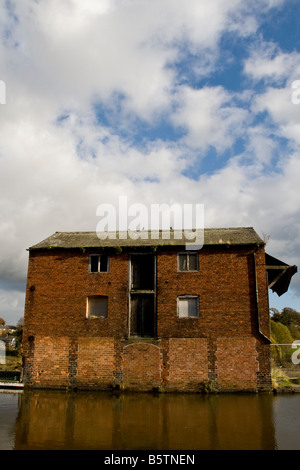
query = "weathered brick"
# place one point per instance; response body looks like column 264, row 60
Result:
column 227, row 345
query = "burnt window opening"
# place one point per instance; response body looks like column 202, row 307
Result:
column 187, row 261
column 97, row 306
column 188, row 306
column 98, row 263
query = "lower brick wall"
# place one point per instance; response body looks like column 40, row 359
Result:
column 51, row 361
column 95, row 362
column 237, row 364
column 141, row 366
column 188, row 365
column 174, row 364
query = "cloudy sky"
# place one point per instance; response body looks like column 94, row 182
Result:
column 163, row 101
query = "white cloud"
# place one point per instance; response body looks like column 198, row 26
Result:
column 278, row 103
column 269, row 63
column 60, row 58
column 210, row 117
column 72, row 52
column 11, row 306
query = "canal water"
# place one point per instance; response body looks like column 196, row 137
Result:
column 55, row 420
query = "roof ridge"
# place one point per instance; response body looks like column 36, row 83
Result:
column 210, row 236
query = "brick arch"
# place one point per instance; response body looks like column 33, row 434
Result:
column 141, row 366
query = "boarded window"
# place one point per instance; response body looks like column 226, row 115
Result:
column 188, row 261
column 188, row 306
column 98, row 263
column 97, row 306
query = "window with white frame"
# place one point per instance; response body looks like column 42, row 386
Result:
column 97, row 306
column 188, row 306
column 98, row 263
column 187, row 261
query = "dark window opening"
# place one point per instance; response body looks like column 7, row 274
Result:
column 142, row 272
column 188, row 261
column 99, row 263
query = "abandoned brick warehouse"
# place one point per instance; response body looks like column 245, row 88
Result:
column 143, row 315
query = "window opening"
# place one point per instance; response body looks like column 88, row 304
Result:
column 99, row 263
column 188, row 261
column 142, row 272
column 188, row 306
column 142, row 319
column 97, row 306
column 142, row 315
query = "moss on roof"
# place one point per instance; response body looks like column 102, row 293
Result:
column 212, row 236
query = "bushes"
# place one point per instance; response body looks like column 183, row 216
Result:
column 281, row 335
column 288, row 317
column 280, row 379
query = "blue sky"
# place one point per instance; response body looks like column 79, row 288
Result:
column 163, row 101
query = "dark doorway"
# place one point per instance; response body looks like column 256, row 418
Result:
column 142, row 295
column 142, row 315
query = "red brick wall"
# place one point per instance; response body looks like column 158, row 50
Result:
column 237, row 363
column 225, row 285
column 51, row 363
column 62, row 283
column 67, row 349
column 188, row 365
column 95, row 362
column 141, row 366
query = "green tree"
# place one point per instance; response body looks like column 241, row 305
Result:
column 18, row 334
column 280, row 333
column 288, row 317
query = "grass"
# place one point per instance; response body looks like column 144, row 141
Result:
column 13, row 361
column 280, row 379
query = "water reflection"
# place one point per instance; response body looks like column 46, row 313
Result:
column 81, row 420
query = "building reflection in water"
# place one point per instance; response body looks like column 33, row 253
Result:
column 88, row 420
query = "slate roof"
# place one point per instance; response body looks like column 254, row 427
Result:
column 212, row 236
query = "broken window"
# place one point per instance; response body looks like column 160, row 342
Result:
column 98, row 263
column 187, row 261
column 97, row 306
column 188, row 306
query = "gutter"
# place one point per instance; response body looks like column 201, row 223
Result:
column 256, row 296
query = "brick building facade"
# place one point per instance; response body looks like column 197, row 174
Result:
column 150, row 315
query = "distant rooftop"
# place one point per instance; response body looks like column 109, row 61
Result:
column 212, row 236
